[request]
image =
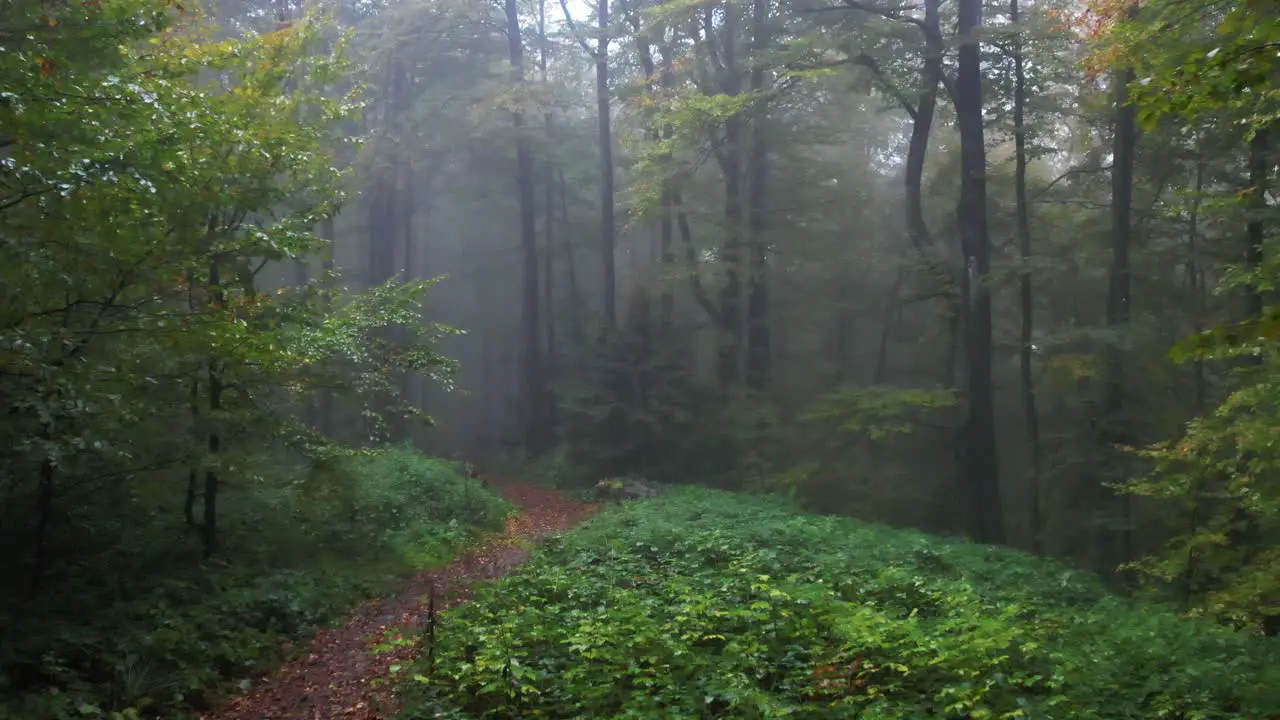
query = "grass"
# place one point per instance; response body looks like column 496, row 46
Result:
column 708, row 605
column 163, row 634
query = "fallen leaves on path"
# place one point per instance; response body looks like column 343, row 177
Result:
column 342, row 678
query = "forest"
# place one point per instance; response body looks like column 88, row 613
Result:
column 504, row 359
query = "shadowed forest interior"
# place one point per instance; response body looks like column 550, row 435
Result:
column 939, row 318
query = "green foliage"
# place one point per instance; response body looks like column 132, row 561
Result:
column 1220, row 478
column 1196, row 62
column 165, row 631
column 876, row 412
column 702, row 604
column 640, row 411
column 398, row 495
column 1211, row 68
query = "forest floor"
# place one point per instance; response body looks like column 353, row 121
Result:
column 342, row 676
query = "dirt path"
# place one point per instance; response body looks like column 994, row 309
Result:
column 341, row 678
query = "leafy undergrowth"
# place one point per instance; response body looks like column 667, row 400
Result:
column 707, row 605
column 347, row 671
column 161, row 638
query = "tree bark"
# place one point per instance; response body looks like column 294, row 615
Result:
column 576, row 330
column 209, row 525
column 325, row 420
column 607, row 223
column 536, row 428
column 44, row 517
column 548, row 230
column 729, row 366
column 986, row 522
column 1195, row 282
column 1023, row 212
column 1259, row 182
column 666, row 220
column 758, row 336
column 1114, row 545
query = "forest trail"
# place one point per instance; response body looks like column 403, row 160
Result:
column 341, row 677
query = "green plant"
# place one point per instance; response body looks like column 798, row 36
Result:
column 704, row 604
column 170, row 631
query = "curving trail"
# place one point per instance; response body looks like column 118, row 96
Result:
column 341, row 678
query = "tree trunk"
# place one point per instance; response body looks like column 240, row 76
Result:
column 729, row 365
column 1259, row 182
column 1026, row 385
column 407, row 205
column 1114, row 545
column 666, row 220
column 325, row 421
column 534, row 390
column 193, row 490
column 576, row 331
column 1196, row 285
column 209, row 526
column 607, row 223
column 922, row 116
column 44, row 516
column 986, row 522
column 548, row 230
column 758, row 339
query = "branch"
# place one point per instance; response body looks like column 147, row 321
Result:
column 23, row 196
column 573, row 29
column 888, row 13
column 1073, row 171
column 691, row 256
column 870, row 63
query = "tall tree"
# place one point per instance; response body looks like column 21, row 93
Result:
column 604, row 138
column 982, row 489
column 1022, row 212
column 759, row 340
column 536, row 426
column 1115, row 543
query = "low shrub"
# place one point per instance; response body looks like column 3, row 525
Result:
column 161, row 642
column 701, row 604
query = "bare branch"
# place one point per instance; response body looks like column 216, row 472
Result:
column 886, row 84
column 898, row 13
column 573, row 28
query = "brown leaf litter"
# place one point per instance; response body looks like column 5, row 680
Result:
column 342, row 677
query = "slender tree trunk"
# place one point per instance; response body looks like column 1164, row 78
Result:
column 193, row 489
column 607, row 222
column 1115, row 545
column 730, row 363
column 301, row 277
column 758, row 338
column 1196, row 287
column 986, row 521
column 1259, row 183
column 325, row 420
column 548, row 268
column 44, row 517
column 209, row 526
column 922, row 116
column 548, row 230
column 844, row 322
column 384, row 226
column 576, row 330
column 1023, row 211
column 666, row 223
column 700, row 293
column 1243, row 534
column 407, row 205
column 1195, row 284
column 892, row 309
column 536, row 435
